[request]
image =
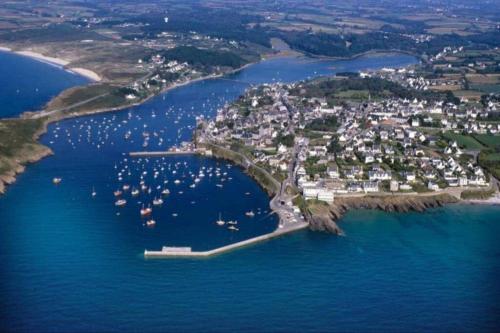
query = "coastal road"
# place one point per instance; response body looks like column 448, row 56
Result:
column 44, row 113
column 288, row 218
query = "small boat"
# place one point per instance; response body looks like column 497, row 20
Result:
column 165, row 192
column 177, row 181
column 158, row 202
column 192, row 186
column 232, row 222
column 135, row 192
column 150, row 223
column 250, row 213
column 121, row 202
column 56, row 180
column 146, row 211
column 218, row 185
column 126, row 187
column 94, row 193
column 233, row 228
column 220, row 221
column 117, row 193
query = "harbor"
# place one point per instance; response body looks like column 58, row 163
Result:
column 169, row 252
column 159, row 153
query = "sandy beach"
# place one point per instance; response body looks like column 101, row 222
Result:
column 58, row 62
column 41, row 57
column 86, row 72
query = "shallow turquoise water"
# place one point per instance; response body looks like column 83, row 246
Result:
column 69, row 262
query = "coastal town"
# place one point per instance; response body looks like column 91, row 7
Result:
column 336, row 137
column 250, row 166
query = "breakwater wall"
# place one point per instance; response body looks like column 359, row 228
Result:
column 169, row 252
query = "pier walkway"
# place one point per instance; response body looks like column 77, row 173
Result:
column 167, row 252
column 161, row 153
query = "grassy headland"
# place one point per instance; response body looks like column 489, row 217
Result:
column 18, row 146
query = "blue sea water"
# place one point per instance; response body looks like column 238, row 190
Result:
column 70, row 263
column 27, row 84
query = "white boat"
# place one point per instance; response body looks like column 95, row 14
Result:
column 121, row 202
column 165, row 192
column 117, row 193
column 56, row 180
column 135, row 192
column 126, row 187
column 158, row 202
column 177, row 181
column 146, row 211
column 232, row 227
column 220, row 221
column 150, row 223
column 250, row 213
column 94, row 193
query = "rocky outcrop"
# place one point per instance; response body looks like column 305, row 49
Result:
column 401, row 204
column 322, row 217
column 324, row 224
column 17, row 163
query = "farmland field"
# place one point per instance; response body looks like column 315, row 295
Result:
column 492, row 141
column 465, row 141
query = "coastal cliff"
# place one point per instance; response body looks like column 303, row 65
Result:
column 323, row 217
column 19, row 146
column 16, row 164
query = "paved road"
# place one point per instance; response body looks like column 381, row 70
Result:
column 67, row 108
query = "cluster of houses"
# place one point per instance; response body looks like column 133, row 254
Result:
column 175, row 71
column 378, row 146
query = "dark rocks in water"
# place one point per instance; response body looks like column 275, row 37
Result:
column 323, row 222
column 319, row 223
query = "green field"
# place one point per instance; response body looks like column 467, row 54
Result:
column 491, row 141
column 486, row 88
column 494, row 157
column 465, row 141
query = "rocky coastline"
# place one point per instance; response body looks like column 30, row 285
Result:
column 323, row 217
column 18, row 164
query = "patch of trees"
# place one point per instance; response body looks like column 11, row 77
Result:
column 326, row 124
column 213, row 22
column 375, row 86
column 349, row 45
column 286, row 140
column 204, row 58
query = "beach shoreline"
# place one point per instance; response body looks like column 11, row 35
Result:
column 58, row 62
